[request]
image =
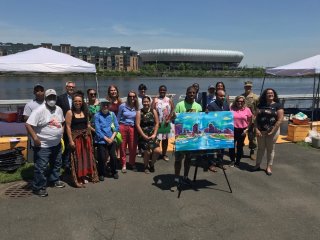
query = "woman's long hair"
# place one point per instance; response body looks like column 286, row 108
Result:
column 136, row 104
column 84, row 107
column 224, row 87
column 109, row 93
column 263, row 97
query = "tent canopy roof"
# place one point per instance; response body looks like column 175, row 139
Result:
column 44, row 60
column 308, row 66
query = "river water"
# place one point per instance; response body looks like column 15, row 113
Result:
column 21, row 86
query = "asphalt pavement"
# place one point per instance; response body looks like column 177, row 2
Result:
column 141, row 206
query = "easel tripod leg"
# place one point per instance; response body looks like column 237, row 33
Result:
column 225, row 175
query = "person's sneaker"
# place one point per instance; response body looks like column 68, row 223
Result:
column 231, row 164
column 165, row 158
column 151, row 168
column 146, row 171
column 123, row 170
column 101, row 178
column 139, row 154
column 59, row 184
column 116, row 175
column 237, row 164
column 40, row 192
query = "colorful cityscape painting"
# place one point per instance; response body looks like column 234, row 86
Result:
column 204, row 131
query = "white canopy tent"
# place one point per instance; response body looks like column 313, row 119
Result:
column 306, row 67
column 43, row 60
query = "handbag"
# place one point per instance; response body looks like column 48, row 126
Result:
column 164, row 128
column 118, row 137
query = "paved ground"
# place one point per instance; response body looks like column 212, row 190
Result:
column 139, row 206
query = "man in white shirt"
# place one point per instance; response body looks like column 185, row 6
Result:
column 38, row 92
column 45, row 126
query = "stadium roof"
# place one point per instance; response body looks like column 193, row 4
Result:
column 190, row 55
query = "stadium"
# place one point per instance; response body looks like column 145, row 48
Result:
column 196, row 58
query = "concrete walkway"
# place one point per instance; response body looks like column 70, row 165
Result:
column 285, row 205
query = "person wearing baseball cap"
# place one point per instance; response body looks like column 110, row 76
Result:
column 251, row 101
column 45, row 128
column 38, row 91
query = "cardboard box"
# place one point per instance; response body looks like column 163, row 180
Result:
column 12, row 142
column 298, row 133
column 8, row 116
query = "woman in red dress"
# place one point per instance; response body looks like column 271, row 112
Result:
column 83, row 166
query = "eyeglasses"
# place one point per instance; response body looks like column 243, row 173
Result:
column 131, row 96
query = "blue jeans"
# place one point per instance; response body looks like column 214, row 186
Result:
column 43, row 156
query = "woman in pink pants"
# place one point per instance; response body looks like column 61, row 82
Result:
column 126, row 118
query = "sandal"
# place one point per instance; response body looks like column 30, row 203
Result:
column 212, row 168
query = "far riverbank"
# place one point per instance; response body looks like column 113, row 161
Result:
column 160, row 72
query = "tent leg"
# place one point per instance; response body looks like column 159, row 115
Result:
column 264, row 78
column 313, row 98
column 97, row 86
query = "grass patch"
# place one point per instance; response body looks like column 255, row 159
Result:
column 25, row 172
column 304, row 144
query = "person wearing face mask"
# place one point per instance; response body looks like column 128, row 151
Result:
column 83, row 166
column 46, row 130
column 105, row 139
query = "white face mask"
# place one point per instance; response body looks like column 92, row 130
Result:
column 51, row 103
column 105, row 111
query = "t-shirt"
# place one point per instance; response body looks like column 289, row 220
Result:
column 30, row 106
column 241, row 117
column 267, row 116
column 47, row 125
column 184, row 106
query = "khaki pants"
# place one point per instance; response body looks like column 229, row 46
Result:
column 266, row 142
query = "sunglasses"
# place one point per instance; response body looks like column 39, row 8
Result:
column 131, row 96
column 240, row 101
column 93, row 94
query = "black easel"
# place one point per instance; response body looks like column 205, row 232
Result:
column 198, row 160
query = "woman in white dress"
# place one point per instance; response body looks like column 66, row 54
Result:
column 165, row 109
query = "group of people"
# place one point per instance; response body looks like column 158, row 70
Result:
column 80, row 134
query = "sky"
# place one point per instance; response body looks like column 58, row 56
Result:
column 269, row 33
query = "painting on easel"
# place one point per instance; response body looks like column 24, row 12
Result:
column 204, row 131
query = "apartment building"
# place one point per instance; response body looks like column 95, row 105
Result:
column 113, row 58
